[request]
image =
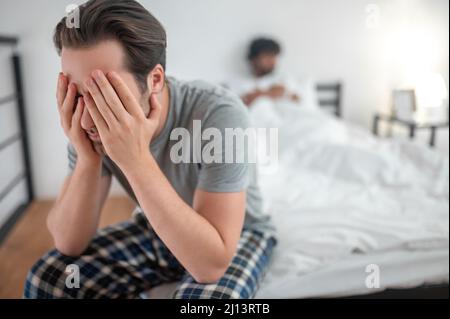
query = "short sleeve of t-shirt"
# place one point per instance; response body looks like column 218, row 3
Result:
column 220, row 174
column 72, row 157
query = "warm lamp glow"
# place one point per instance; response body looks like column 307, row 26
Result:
column 431, row 90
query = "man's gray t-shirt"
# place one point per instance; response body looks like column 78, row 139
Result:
column 214, row 107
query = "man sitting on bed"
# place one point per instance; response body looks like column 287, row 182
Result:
column 265, row 80
column 197, row 222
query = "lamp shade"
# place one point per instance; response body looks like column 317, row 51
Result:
column 431, row 90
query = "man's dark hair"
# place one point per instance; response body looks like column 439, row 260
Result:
column 141, row 35
column 263, row 45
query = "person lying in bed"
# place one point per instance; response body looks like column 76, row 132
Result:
column 197, row 222
column 265, row 80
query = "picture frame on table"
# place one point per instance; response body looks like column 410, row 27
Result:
column 404, row 104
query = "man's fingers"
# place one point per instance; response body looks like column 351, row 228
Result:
column 109, row 95
column 155, row 107
column 76, row 118
column 66, row 110
column 125, row 95
column 100, row 103
column 98, row 119
column 61, row 89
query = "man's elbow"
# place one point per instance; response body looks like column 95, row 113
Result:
column 64, row 244
column 210, row 276
column 67, row 246
column 215, row 270
column 69, row 249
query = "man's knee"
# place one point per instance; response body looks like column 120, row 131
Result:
column 47, row 277
column 223, row 289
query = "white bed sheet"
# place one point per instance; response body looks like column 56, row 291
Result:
column 343, row 199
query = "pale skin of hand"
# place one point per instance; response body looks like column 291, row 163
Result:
column 73, row 220
column 71, row 117
column 204, row 237
column 274, row 92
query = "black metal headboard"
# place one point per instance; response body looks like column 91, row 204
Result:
column 330, row 96
column 20, row 137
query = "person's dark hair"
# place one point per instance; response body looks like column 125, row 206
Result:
column 263, row 45
column 141, row 35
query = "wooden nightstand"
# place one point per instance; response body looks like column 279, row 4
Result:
column 411, row 124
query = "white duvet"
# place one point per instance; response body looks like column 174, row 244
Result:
column 340, row 195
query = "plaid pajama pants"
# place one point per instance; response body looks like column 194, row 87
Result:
column 129, row 258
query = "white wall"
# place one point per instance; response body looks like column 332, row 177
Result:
column 322, row 39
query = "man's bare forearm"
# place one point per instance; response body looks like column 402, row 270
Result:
column 189, row 236
column 250, row 97
column 74, row 218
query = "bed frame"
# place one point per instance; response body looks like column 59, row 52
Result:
column 330, row 96
column 20, row 137
column 421, row 292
